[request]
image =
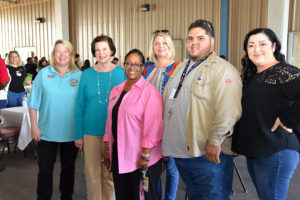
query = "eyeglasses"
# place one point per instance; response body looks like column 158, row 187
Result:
column 160, row 31
column 135, row 65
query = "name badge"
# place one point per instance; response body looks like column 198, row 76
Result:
column 18, row 73
column 50, row 76
column 172, row 93
column 165, row 74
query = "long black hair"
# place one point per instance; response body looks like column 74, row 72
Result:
column 249, row 69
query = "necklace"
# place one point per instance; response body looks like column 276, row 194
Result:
column 107, row 92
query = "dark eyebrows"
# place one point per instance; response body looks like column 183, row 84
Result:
column 258, row 41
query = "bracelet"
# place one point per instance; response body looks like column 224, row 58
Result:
column 146, row 155
column 145, row 159
column 33, row 129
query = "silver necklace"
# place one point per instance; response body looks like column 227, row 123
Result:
column 107, row 92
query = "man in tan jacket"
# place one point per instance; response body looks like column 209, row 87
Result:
column 202, row 104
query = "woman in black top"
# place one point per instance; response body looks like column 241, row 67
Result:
column 271, row 110
column 17, row 73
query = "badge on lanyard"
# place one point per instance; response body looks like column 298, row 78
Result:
column 165, row 73
column 73, row 82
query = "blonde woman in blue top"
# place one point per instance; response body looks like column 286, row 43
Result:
column 53, row 94
column 91, row 112
column 162, row 52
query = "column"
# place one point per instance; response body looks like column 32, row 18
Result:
column 278, row 17
column 61, row 13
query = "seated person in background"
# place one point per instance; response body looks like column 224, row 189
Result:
column 42, row 63
column 31, row 67
column 86, row 65
column 115, row 61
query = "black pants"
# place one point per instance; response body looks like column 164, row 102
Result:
column 47, row 156
column 127, row 185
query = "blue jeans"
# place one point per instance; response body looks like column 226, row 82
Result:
column 206, row 180
column 271, row 175
column 15, row 98
column 172, row 179
column 3, row 103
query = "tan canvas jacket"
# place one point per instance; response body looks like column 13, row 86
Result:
column 215, row 105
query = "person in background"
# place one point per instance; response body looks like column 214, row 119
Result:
column 86, row 65
column 148, row 62
column 42, row 63
column 35, row 60
column 224, row 57
column 271, row 111
column 91, row 112
column 77, row 60
column 202, row 104
column 32, row 54
column 134, row 131
column 53, row 95
column 115, row 61
column 162, row 52
column 4, row 81
column 31, row 67
column 16, row 90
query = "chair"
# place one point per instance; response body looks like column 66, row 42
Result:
column 6, row 134
column 240, row 178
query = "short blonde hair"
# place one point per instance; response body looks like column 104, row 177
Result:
column 70, row 48
column 170, row 44
column 19, row 61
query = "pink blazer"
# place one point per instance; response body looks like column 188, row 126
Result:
column 140, row 124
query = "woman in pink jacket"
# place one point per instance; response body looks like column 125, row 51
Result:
column 134, row 131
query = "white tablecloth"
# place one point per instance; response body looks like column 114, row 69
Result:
column 18, row 116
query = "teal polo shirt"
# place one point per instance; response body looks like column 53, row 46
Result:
column 55, row 98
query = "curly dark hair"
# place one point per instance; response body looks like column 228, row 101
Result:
column 103, row 38
column 249, row 68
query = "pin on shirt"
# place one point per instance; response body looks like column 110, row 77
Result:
column 73, row 82
column 228, row 81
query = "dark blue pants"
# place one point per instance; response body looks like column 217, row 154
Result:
column 206, row 180
column 47, row 157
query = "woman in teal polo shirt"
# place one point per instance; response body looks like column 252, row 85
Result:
column 91, row 112
column 53, row 95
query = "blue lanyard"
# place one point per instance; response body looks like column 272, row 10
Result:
column 185, row 73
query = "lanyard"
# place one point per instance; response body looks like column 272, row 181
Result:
column 185, row 73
